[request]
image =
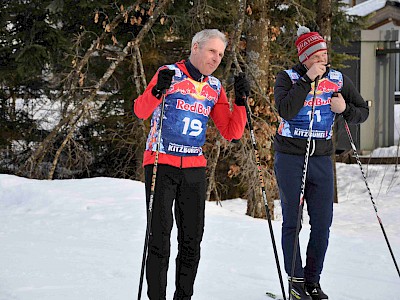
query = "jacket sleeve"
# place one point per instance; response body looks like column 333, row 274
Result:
column 229, row 123
column 357, row 110
column 289, row 97
column 145, row 104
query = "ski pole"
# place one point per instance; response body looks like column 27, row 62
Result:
column 264, row 194
column 151, row 197
column 303, row 185
column 369, row 191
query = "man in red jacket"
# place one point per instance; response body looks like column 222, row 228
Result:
column 192, row 95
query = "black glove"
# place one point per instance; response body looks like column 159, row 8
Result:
column 163, row 82
column 242, row 89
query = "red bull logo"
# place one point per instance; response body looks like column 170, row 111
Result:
column 325, row 89
column 198, row 90
column 184, row 87
column 196, row 108
column 208, row 92
column 327, row 86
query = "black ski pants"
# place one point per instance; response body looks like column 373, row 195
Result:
column 319, row 199
column 187, row 188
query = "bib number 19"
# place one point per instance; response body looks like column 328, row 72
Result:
column 192, row 127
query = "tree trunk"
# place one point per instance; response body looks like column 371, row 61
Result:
column 324, row 19
column 258, row 42
column 257, row 58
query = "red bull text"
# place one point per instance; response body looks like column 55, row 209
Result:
column 197, row 107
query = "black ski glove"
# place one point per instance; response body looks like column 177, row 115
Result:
column 163, row 82
column 242, row 89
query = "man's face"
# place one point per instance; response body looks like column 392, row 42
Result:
column 207, row 56
column 319, row 57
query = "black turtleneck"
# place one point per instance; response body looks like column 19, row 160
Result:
column 194, row 72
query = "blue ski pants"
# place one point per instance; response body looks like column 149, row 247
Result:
column 319, row 202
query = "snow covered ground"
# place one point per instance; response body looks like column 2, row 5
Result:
column 83, row 240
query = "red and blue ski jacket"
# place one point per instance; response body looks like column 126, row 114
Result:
column 188, row 106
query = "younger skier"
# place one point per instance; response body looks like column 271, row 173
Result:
column 294, row 94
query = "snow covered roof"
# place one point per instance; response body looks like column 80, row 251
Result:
column 367, row 7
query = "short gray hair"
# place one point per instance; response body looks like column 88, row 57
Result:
column 203, row 36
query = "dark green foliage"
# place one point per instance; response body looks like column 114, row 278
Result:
column 28, row 46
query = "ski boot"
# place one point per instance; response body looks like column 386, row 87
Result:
column 314, row 289
column 297, row 290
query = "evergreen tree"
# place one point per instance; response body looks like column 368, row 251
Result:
column 29, row 47
column 64, row 55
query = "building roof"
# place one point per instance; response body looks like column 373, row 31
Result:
column 382, row 12
column 367, row 7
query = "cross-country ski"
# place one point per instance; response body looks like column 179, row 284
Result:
column 273, row 296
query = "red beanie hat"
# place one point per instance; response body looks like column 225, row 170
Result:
column 308, row 43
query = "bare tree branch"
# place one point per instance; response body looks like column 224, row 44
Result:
column 96, row 43
column 35, row 159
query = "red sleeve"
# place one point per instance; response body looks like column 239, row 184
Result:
column 229, row 123
column 145, row 104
